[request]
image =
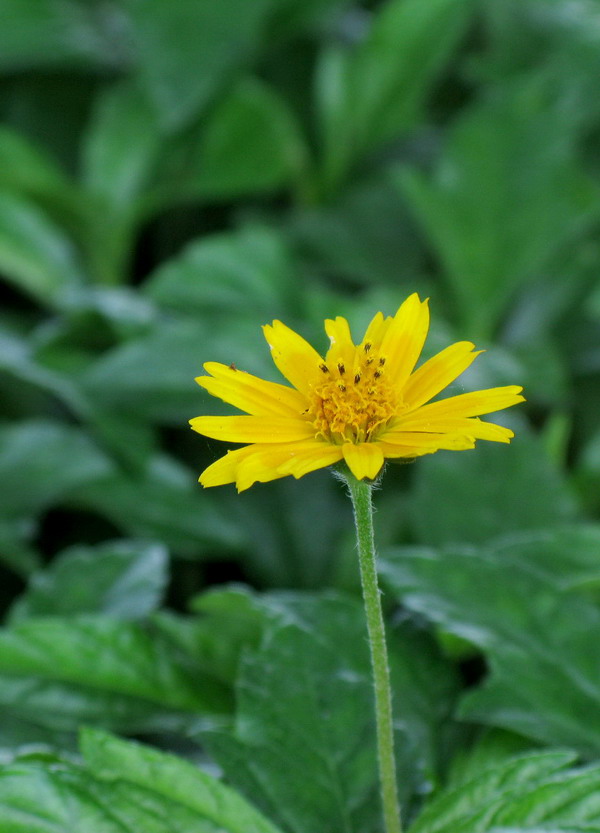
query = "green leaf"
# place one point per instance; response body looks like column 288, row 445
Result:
column 368, row 235
column 63, row 798
column 187, row 51
column 175, row 779
column 376, row 93
column 250, row 144
column 123, row 579
column 163, row 502
column 291, row 749
column 18, row 360
column 250, row 269
column 229, row 621
column 506, row 195
column 120, row 147
column 60, row 672
column 55, row 33
column 35, row 254
column 567, row 556
column 29, row 170
column 119, row 154
column 454, row 499
column 43, row 461
column 532, row 792
column 119, row 380
column 537, row 639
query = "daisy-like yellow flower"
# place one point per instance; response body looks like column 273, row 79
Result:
column 362, row 403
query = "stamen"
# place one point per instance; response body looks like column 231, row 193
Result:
column 377, row 374
column 342, row 388
column 357, row 379
column 369, row 360
column 324, row 368
column 382, row 361
column 341, row 368
column 367, row 346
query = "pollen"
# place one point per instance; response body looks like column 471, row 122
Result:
column 354, row 412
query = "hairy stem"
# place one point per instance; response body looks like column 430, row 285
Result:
column 360, row 493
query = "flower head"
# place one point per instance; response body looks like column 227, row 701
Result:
column 360, row 403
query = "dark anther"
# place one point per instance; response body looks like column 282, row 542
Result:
column 377, row 374
column 324, row 368
column 342, row 388
column 369, row 361
column 357, row 379
column 367, row 347
column 382, row 361
column 341, row 368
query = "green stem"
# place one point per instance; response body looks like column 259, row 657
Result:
column 360, row 493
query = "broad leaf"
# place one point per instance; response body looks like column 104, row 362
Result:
column 162, row 502
column 250, row 144
column 540, row 643
column 61, row 672
column 291, row 750
column 43, row 461
column 533, row 792
column 455, row 499
column 186, row 50
column 123, row 579
column 250, row 269
column 505, row 195
column 173, row 778
column 51, row 33
column 377, row 92
column 35, row 254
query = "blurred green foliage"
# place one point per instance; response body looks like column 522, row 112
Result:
column 172, row 176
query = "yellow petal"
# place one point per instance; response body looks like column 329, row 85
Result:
column 253, row 429
column 224, row 470
column 270, row 462
column 376, row 331
column 423, row 439
column 473, row 404
column 342, row 347
column 456, row 425
column 249, row 393
column 309, row 456
column 293, row 355
column 437, row 373
column 364, row 459
column 403, row 341
column 451, row 442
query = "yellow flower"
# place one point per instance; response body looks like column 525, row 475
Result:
column 362, row 403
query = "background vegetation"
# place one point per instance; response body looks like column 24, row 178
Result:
column 173, row 175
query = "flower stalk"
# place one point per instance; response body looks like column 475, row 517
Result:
column 360, row 492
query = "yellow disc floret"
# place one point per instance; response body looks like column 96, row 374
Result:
column 353, row 402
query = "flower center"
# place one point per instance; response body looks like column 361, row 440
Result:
column 353, row 402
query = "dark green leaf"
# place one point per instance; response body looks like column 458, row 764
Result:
column 163, row 502
column 250, row 145
column 57, row 33
column 123, row 579
column 172, row 778
column 455, row 499
column 120, row 150
column 35, row 254
column 60, row 672
column 43, row 461
column 533, row 792
column 251, row 269
column 188, row 49
column 297, row 696
column 540, row 642
column 506, row 194
column 377, row 92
